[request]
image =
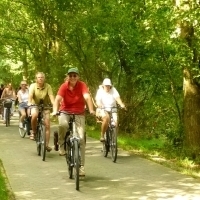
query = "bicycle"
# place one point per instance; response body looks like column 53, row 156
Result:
column 72, row 147
column 26, row 125
column 40, row 135
column 7, row 104
column 110, row 136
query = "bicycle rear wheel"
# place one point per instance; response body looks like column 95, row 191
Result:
column 114, row 150
column 76, row 163
column 43, row 142
column 106, row 143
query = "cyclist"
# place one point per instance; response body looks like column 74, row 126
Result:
column 71, row 98
column 23, row 100
column 107, row 96
column 40, row 91
column 8, row 93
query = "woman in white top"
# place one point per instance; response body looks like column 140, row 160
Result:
column 23, row 100
column 106, row 98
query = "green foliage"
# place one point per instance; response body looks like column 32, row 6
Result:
column 137, row 45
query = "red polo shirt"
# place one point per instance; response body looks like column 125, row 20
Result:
column 73, row 100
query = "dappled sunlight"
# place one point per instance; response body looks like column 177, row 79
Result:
column 23, row 194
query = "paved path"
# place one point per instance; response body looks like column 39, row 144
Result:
column 132, row 177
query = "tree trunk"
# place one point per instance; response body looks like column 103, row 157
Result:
column 191, row 88
column 191, row 114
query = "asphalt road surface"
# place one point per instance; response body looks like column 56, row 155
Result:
column 131, row 177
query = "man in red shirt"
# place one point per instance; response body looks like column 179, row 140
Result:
column 71, row 98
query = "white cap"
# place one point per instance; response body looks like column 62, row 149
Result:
column 107, row 81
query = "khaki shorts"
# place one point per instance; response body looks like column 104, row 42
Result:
column 46, row 113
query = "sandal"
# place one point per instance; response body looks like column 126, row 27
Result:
column 32, row 137
column 48, row 148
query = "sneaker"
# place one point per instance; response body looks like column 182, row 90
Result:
column 82, row 171
column 20, row 125
column 62, row 152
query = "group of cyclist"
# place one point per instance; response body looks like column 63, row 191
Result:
column 70, row 98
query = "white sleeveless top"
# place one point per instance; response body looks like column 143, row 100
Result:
column 23, row 95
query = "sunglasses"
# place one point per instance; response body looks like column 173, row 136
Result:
column 72, row 75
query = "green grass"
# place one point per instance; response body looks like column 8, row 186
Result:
column 129, row 143
column 5, row 193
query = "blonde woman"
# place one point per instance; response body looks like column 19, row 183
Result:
column 8, row 93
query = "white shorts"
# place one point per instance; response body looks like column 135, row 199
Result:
column 102, row 113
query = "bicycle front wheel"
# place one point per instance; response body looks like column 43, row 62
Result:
column 114, row 150
column 69, row 159
column 106, row 144
column 7, row 115
column 43, row 142
column 76, row 163
column 37, row 139
column 23, row 131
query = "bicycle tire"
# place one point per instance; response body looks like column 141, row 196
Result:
column 105, row 144
column 22, row 132
column 7, row 117
column 43, row 142
column 55, row 141
column 37, row 139
column 76, row 163
column 28, row 125
column 69, row 160
column 113, row 145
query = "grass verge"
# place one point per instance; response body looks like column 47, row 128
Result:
column 5, row 190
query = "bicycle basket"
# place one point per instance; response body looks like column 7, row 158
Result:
column 7, row 104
